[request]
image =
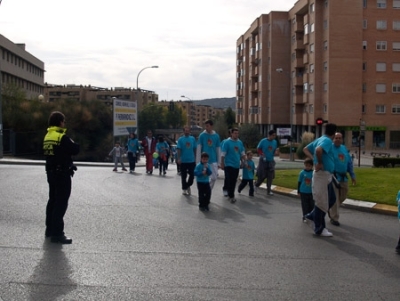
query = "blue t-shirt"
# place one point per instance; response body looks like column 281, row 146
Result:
column 162, row 148
column 268, row 147
column 327, row 155
column 133, row 145
column 305, row 180
column 342, row 159
column 248, row 171
column 187, row 147
column 209, row 143
column 198, row 172
column 232, row 151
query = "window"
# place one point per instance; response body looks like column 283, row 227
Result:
column 305, row 86
column 305, row 28
column 396, row 25
column 311, row 88
column 365, row 24
column 381, row 24
column 325, row 108
column 380, row 88
column 312, row 7
column 364, row 87
column 380, row 67
column 312, row 48
column 396, row 3
column 311, row 68
column 311, row 109
column 396, row 46
column 364, row 66
column 396, row 88
column 312, row 27
column 326, row 3
column 396, row 109
column 381, row 45
column 325, row 45
column 363, row 109
column 325, row 87
column 364, row 45
column 396, row 67
column 325, row 66
column 380, row 109
column 381, row 3
column 364, row 3
column 325, row 24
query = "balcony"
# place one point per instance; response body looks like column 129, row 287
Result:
column 298, row 81
column 298, row 97
column 299, row 45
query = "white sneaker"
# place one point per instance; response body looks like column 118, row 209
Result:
column 225, row 193
column 188, row 191
column 326, row 233
column 184, row 192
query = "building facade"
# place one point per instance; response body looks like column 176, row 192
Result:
column 80, row 92
column 20, row 68
column 332, row 59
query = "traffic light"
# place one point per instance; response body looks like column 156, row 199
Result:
column 319, row 121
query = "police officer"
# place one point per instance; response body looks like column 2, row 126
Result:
column 58, row 149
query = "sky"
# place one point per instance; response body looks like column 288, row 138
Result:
column 107, row 43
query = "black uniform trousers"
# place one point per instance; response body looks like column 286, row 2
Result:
column 59, row 193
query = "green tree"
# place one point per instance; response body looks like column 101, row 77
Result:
column 175, row 117
column 151, row 117
column 250, row 135
column 230, row 117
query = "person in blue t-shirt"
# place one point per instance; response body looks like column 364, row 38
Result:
column 209, row 142
column 304, row 188
column 266, row 165
column 231, row 156
column 186, row 148
column 133, row 149
column 162, row 148
column 202, row 172
column 343, row 165
column 322, row 188
column 248, row 174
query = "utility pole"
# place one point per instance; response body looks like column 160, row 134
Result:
column 1, row 115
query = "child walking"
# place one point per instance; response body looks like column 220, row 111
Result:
column 117, row 153
column 162, row 148
column 304, row 188
column 202, row 172
column 248, row 174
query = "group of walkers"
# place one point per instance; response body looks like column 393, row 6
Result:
column 326, row 170
column 328, row 162
column 201, row 159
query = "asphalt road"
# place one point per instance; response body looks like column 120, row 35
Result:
column 136, row 237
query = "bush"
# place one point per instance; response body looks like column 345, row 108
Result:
column 306, row 138
column 385, row 162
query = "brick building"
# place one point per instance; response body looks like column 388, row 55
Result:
column 332, row 59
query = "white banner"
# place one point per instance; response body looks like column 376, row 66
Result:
column 284, row 131
column 125, row 117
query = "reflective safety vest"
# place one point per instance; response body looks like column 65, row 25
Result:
column 52, row 139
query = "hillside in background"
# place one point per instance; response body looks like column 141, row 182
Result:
column 223, row 103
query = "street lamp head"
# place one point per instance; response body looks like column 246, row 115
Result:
column 154, row 66
column 183, row 96
column 280, row 70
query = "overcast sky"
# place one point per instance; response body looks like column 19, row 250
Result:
column 107, row 43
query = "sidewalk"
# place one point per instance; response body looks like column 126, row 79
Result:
column 366, row 160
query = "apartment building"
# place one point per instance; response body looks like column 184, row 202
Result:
column 196, row 114
column 20, row 68
column 81, row 92
column 332, row 59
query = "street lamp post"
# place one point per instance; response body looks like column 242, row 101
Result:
column 137, row 90
column 190, row 113
column 291, row 155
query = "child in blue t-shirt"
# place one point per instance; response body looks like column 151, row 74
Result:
column 304, row 188
column 248, row 174
column 202, row 172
